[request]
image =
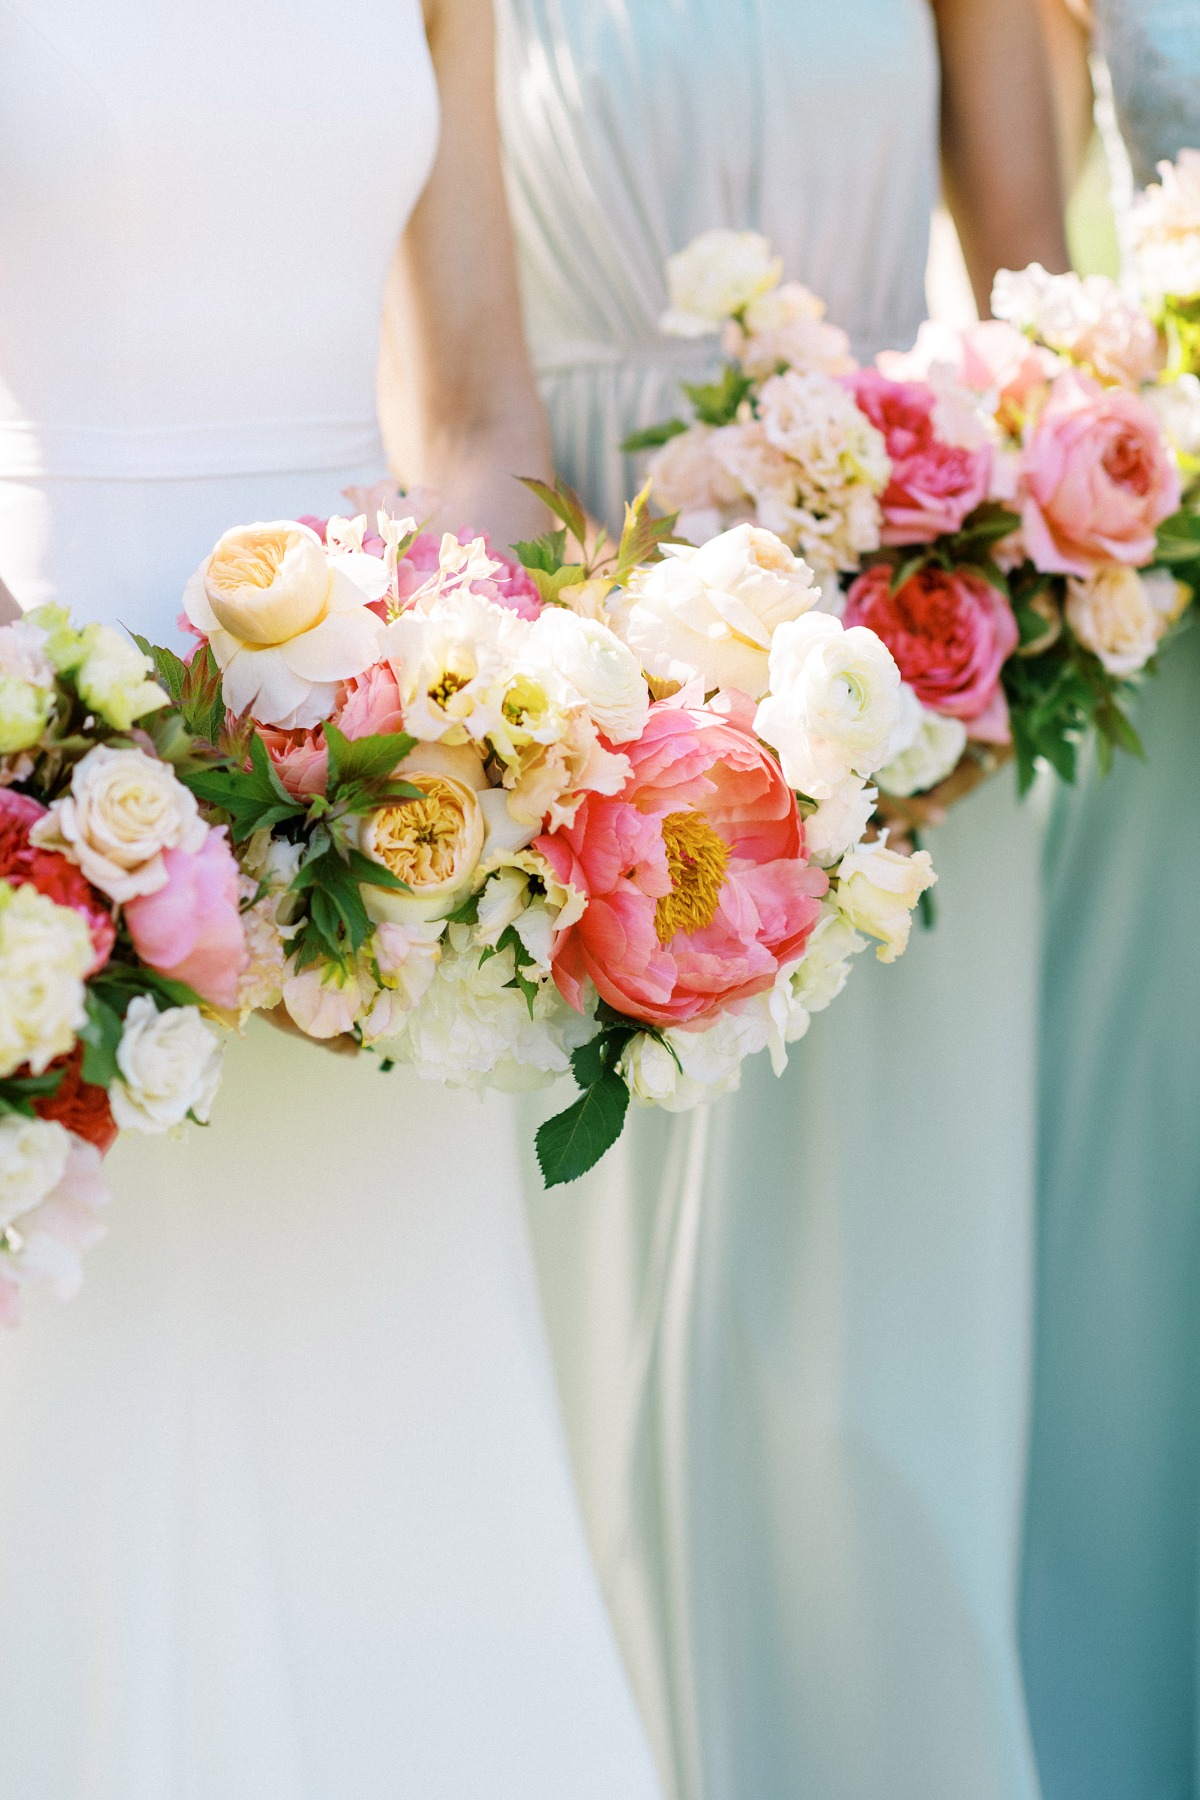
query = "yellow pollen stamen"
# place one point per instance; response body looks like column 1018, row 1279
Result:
column 443, row 691
column 697, row 859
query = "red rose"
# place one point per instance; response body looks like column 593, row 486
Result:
column 79, row 1105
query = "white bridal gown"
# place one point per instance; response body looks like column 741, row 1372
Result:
column 284, row 1509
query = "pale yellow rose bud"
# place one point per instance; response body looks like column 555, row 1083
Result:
column 268, row 583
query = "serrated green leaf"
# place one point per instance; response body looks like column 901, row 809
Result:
column 652, row 437
column 546, row 552
column 717, row 402
column 364, row 759
column 573, row 1142
column 642, row 534
column 373, row 874
column 170, row 668
column 563, row 502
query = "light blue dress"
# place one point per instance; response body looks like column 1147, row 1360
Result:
column 790, row 1331
column 1111, row 1580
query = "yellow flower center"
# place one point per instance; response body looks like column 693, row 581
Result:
column 444, row 689
column 425, row 841
column 697, row 859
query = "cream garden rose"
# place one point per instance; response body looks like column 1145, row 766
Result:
column 877, row 889
column 287, row 619
column 718, row 274
column 1113, row 614
column 170, row 1066
column 713, row 612
column 833, row 704
column 123, row 810
column 602, row 673
column 45, row 952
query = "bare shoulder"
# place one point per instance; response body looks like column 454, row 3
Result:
column 457, row 18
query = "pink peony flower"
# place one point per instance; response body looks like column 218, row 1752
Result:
column 950, row 633
column 697, row 889
column 1097, row 479
column 368, row 705
column 934, row 484
column 191, row 929
column 52, row 875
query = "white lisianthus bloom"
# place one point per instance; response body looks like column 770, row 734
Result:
column 1164, row 225
column 718, row 274
column 824, row 969
column 1114, row 616
column 546, row 786
column 287, row 620
column 926, row 747
column 1176, row 405
column 453, row 662
column 603, row 673
column 472, row 1028
column 839, row 821
column 26, row 686
column 833, row 703
column 713, row 611
column 33, row 1160
column 124, row 809
column 45, row 952
column 878, row 888
column 1087, row 318
column 170, row 1066
column 116, row 679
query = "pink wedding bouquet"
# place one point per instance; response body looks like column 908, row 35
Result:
column 1008, row 505
column 120, row 936
column 478, row 838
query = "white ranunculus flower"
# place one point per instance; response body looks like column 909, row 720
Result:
column 713, row 611
column 124, row 809
column 170, row 1066
column 833, row 703
column 698, row 1065
column 1113, row 615
column 116, row 679
column 718, row 274
column 26, row 686
column 45, row 952
column 33, row 1160
column 878, row 888
column 287, row 619
column 604, row 674
column 839, row 821
column 824, row 969
column 926, row 747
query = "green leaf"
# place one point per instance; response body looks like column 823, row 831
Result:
column 467, row 913
column 550, row 586
column 563, row 502
column 367, row 871
column 101, row 1036
column 254, row 798
column 653, row 437
column 904, row 571
column 170, row 669
column 363, row 759
column 717, row 402
column 987, row 524
column 546, row 552
column 642, row 534
column 18, row 1092
column 574, row 1141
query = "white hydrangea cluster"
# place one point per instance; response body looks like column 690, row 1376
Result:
column 1164, row 225
column 1087, row 318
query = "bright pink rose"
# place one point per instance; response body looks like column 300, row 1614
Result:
column 950, row 633
column 934, row 484
column 52, row 875
column 1097, row 479
column 368, row 705
column 191, row 928
column 697, row 887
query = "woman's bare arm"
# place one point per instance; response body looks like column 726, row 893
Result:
column 458, row 403
column 1067, row 26
column 999, row 150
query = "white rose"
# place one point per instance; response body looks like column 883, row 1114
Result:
column 26, row 686
column 718, row 274
column 287, row 619
column 833, row 703
column 839, row 821
column 926, row 746
column 170, row 1066
column 603, row 672
column 33, row 1160
column 714, row 611
column 115, row 679
column 124, row 809
column 45, row 953
column 1113, row 615
column 877, row 890
column 824, row 968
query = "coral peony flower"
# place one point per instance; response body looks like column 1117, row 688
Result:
column 697, row 891
column 191, row 928
column 951, row 634
column 50, row 873
column 1097, row 479
column 367, row 705
column 934, row 484
column 80, row 1105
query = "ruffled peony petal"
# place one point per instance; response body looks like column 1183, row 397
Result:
column 357, row 577
column 342, row 645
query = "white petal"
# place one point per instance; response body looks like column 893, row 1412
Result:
column 356, row 577
column 261, row 680
column 504, row 833
column 342, row 645
column 195, row 603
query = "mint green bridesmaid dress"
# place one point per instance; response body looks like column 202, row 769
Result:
column 1111, row 1585
column 790, row 1330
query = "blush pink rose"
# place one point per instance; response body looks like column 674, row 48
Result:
column 1097, row 479
column 368, row 705
column 697, row 889
column 191, row 928
column 934, row 484
column 951, row 634
column 52, row 875
column 988, row 357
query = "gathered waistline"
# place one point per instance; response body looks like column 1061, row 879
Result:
column 691, row 355
column 30, row 451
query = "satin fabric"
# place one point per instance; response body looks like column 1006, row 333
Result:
column 791, row 1331
column 285, row 1506
column 1112, row 1555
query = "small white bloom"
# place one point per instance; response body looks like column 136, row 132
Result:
column 713, row 611
column 788, row 326
column 473, row 1029
column 824, row 969
column 833, row 703
column 878, row 888
column 33, row 1159
column 124, row 809
column 453, row 662
column 1176, row 404
column 718, row 274
column 1087, row 318
column 45, row 953
column 116, row 679
column 26, row 686
column 926, row 747
column 602, row 672
column 170, row 1066
column 839, row 821
column 52, row 1195
column 1165, row 228
column 1113, row 614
